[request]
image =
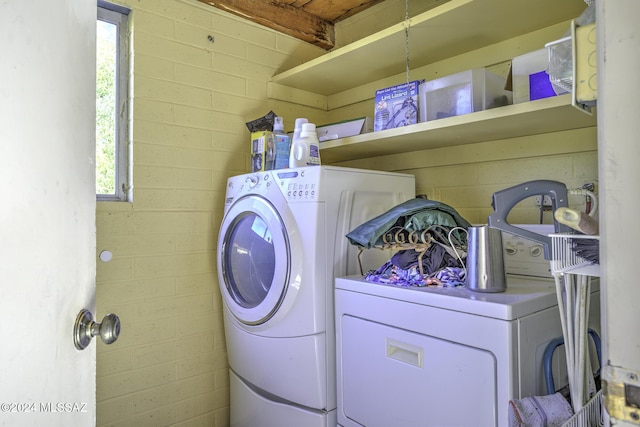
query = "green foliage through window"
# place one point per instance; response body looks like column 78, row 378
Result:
column 106, row 133
column 113, row 178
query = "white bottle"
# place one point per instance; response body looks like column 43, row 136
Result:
column 297, row 154
column 298, row 128
column 310, row 137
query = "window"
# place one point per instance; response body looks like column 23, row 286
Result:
column 113, row 175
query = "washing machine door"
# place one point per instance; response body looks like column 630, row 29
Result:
column 253, row 260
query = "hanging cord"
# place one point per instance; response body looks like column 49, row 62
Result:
column 464, row 267
column 406, row 38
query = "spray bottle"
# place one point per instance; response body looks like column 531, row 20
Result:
column 282, row 144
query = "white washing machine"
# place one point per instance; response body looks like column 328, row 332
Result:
column 281, row 243
column 442, row 357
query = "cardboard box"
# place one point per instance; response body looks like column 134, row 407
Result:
column 259, row 141
column 396, row 106
column 269, row 151
column 344, row 129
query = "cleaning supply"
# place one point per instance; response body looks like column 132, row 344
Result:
column 305, row 150
column 297, row 150
column 282, row 144
column 298, row 128
column 310, row 137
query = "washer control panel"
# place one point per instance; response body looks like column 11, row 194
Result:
column 298, row 184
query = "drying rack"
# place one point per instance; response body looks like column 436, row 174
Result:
column 572, row 274
column 398, row 238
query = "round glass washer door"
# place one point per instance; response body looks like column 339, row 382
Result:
column 254, row 259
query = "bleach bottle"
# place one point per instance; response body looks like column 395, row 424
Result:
column 305, row 151
column 299, row 155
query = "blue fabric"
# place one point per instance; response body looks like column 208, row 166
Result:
column 390, row 274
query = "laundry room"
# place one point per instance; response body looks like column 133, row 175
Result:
column 191, row 354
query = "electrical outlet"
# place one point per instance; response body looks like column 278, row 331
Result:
column 547, row 201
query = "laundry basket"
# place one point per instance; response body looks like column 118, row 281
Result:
column 590, row 415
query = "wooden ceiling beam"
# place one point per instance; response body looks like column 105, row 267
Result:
column 281, row 17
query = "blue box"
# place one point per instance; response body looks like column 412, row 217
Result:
column 396, row 106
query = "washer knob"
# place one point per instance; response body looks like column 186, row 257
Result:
column 536, row 250
column 252, row 180
column 510, row 249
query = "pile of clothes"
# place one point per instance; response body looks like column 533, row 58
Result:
column 434, row 261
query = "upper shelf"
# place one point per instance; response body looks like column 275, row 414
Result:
column 453, row 28
column 529, row 118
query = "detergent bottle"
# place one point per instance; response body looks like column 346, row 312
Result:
column 310, row 138
column 297, row 154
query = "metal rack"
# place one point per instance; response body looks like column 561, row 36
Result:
column 566, row 260
column 572, row 274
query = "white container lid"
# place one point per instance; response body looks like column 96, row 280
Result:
column 308, row 129
column 299, row 122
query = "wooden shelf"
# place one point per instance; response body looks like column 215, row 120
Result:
column 530, row 118
column 453, row 28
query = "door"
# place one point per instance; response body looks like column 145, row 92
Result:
column 47, row 212
column 254, row 261
column 618, row 41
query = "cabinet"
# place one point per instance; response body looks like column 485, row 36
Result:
column 457, row 27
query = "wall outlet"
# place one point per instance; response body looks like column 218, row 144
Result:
column 547, row 201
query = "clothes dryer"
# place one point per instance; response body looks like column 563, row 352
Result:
column 434, row 356
column 281, row 244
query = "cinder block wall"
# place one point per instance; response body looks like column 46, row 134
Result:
column 466, row 176
column 190, row 100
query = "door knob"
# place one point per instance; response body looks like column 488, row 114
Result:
column 85, row 329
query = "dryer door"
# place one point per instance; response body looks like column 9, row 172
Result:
column 253, row 260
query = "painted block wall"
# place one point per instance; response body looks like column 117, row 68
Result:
column 190, row 100
column 466, row 176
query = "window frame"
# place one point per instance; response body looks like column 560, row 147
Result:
column 119, row 16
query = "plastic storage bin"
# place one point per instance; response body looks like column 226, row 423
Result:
column 462, row 93
column 561, row 64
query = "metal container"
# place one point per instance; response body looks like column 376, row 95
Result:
column 485, row 261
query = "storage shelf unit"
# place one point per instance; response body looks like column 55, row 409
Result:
column 530, row 118
column 451, row 29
